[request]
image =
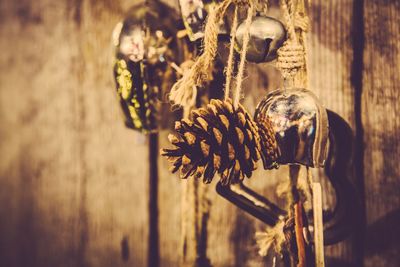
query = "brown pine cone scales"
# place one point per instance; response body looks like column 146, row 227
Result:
column 269, row 146
column 220, row 139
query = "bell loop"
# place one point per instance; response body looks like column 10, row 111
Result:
column 291, row 58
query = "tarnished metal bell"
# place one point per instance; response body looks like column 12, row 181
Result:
column 300, row 124
column 143, row 45
column 266, row 37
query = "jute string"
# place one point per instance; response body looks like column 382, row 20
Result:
column 292, row 58
column 200, row 71
column 243, row 52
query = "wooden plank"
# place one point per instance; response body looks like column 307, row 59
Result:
column 75, row 194
column 381, row 124
column 330, row 58
column 39, row 143
column 117, row 170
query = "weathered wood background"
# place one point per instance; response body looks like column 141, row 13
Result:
column 74, row 181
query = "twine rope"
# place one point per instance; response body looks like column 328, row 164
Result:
column 229, row 67
column 262, row 7
column 246, row 39
column 292, row 55
column 200, row 71
column 186, row 98
column 292, row 62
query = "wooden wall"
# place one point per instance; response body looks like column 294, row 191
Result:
column 74, row 181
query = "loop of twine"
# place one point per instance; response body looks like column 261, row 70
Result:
column 262, row 7
column 292, row 55
column 291, row 58
column 186, row 98
column 200, row 70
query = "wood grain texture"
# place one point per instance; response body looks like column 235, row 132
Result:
column 74, row 180
column 380, row 104
column 70, row 186
column 331, row 58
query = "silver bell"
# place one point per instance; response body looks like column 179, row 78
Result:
column 266, row 37
column 300, row 124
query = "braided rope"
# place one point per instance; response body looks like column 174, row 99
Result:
column 292, row 55
column 262, row 7
column 185, row 98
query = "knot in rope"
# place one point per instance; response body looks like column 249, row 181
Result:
column 301, row 22
column 185, row 97
column 291, row 58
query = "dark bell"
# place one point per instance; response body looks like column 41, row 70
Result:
column 266, row 37
column 143, row 45
column 300, row 124
column 142, row 35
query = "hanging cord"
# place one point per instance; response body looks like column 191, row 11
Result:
column 200, row 71
column 262, row 7
column 246, row 39
column 293, row 65
column 186, row 98
column 195, row 203
column 202, row 67
column 292, row 55
column 229, row 67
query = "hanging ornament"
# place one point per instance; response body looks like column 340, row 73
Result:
column 300, row 125
column 143, row 46
column 266, row 36
column 220, row 139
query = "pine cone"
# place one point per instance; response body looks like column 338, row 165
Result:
column 269, row 146
column 220, row 139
